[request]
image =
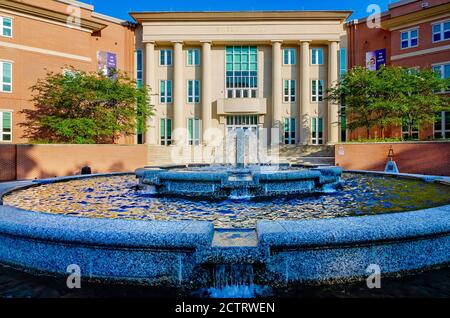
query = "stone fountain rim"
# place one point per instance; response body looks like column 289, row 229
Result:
column 397, row 236
column 261, row 225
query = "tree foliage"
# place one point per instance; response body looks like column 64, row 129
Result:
column 80, row 107
column 390, row 96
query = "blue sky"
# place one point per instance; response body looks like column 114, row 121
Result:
column 120, row 8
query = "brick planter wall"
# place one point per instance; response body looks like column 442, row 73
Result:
column 431, row 158
column 42, row 161
column 7, row 162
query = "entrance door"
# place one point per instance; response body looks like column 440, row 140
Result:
column 249, row 123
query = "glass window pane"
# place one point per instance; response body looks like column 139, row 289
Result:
column 437, row 37
column 7, row 72
column 189, row 57
column 404, row 35
column 447, row 35
column 446, row 26
column 414, row 34
column 163, row 128
column 436, row 28
column 7, row 22
column 169, row 128
column 320, row 56
column 413, row 42
column 197, row 57
column 6, row 124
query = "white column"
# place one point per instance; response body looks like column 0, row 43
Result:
column 206, row 90
column 179, row 120
column 305, row 94
column 151, row 136
column 277, row 87
column 333, row 109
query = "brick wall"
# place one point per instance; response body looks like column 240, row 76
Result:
column 42, row 161
column 431, row 158
column 7, row 162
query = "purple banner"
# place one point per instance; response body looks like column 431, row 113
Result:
column 106, row 63
column 375, row 59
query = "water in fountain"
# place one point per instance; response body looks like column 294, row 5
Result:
column 235, row 281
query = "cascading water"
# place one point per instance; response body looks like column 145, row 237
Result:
column 235, row 281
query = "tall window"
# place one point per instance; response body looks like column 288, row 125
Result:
column 193, row 131
column 441, row 31
column 409, row 38
column 413, row 134
column 442, row 125
column 193, row 91
column 289, row 91
column 343, row 117
column 443, row 71
column 316, row 90
column 6, row 77
column 342, row 62
column 289, row 56
column 5, row 126
column 166, row 131
column 193, row 57
column 317, row 56
column 165, row 91
column 139, row 69
column 6, row 25
column 165, row 57
column 241, row 71
column 289, row 131
column 317, row 130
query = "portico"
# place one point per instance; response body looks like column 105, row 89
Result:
column 206, row 68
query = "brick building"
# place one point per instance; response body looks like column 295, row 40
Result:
column 413, row 34
column 46, row 35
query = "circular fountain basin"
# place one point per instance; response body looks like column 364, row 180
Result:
column 96, row 228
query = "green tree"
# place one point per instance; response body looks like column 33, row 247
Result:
column 80, row 107
column 358, row 88
column 390, row 96
column 422, row 98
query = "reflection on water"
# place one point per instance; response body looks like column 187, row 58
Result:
column 115, row 197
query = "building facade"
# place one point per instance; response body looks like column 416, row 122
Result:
column 213, row 72
column 53, row 35
column 414, row 34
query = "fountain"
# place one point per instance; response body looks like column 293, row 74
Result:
column 240, row 181
column 240, row 246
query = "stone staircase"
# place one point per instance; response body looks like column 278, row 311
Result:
column 307, row 154
column 294, row 154
column 159, row 155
